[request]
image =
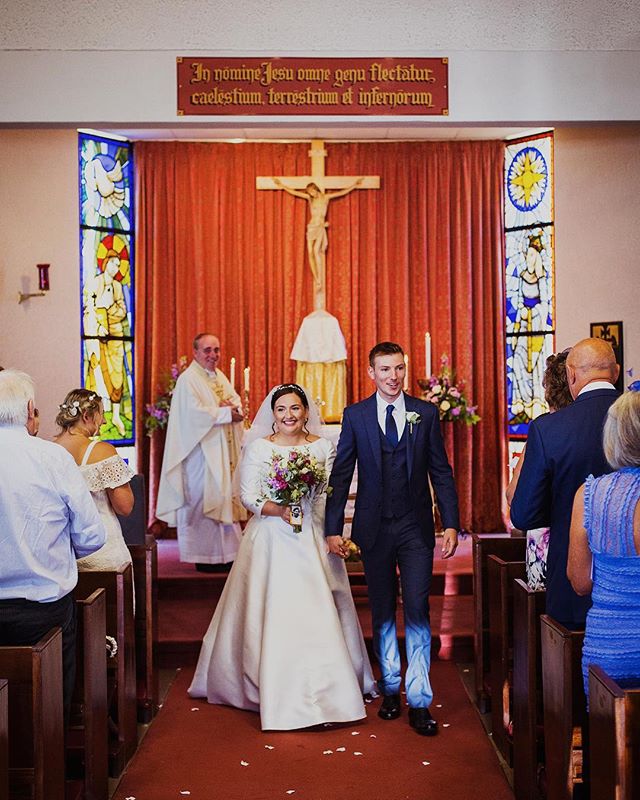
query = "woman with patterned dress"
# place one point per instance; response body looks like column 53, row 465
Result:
column 604, row 547
column 107, row 475
column 285, row 638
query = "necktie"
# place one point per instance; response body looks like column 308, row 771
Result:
column 390, row 430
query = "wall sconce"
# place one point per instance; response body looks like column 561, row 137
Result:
column 43, row 284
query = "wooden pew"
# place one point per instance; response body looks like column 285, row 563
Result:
column 4, row 739
column 121, row 670
column 501, row 575
column 614, row 724
column 88, row 735
column 144, row 554
column 528, row 741
column 145, row 568
column 36, row 727
column 509, row 549
column 565, row 714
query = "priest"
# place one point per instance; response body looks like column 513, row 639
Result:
column 201, row 451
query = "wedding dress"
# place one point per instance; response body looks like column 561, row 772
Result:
column 285, row 638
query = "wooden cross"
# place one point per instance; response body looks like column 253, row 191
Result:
column 314, row 188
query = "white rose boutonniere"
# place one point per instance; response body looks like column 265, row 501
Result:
column 413, row 418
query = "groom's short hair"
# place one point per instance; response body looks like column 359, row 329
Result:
column 384, row 349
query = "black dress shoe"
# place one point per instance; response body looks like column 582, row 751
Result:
column 390, row 708
column 421, row 720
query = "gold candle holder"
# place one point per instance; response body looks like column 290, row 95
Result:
column 245, row 408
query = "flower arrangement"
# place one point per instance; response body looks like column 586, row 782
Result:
column 292, row 477
column 157, row 414
column 444, row 392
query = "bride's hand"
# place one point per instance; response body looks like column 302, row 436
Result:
column 286, row 514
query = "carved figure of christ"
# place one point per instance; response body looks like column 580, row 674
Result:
column 314, row 188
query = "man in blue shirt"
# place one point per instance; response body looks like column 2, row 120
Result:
column 47, row 520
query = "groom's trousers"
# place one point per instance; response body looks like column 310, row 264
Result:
column 399, row 542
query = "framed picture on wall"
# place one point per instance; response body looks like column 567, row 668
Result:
column 611, row 332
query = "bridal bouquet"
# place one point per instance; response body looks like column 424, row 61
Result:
column 157, row 414
column 444, row 392
column 292, row 477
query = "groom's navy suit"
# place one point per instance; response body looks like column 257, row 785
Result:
column 562, row 450
column 393, row 525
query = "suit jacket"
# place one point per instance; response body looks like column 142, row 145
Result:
column 562, row 450
column 360, row 442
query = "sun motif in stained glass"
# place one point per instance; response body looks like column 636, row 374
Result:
column 527, row 179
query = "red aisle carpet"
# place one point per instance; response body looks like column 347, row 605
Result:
column 205, row 752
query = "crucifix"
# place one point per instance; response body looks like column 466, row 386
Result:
column 314, row 188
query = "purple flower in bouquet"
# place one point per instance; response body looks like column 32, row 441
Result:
column 448, row 395
column 157, row 413
column 292, row 477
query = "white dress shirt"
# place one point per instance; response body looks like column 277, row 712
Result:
column 591, row 387
column 399, row 415
column 47, row 518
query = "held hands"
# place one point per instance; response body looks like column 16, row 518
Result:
column 338, row 546
column 449, row 542
column 236, row 415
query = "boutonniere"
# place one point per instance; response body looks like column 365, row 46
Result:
column 413, row 418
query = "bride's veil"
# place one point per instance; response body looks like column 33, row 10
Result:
column 262, row 425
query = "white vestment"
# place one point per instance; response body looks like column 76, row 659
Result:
column 319, row 339
column 201, row 450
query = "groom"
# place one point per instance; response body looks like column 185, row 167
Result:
column 396, row 441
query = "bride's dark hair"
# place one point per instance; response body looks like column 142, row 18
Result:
column 289, row 388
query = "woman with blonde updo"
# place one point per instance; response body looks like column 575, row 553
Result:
column 80, row 416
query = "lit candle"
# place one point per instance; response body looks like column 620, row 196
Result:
column 232, row 372
column 405, row 383
column 246, row 378
column 427, row 354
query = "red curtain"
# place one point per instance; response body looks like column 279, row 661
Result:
column 422, row 253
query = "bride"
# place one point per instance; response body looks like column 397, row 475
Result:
column 285, row 639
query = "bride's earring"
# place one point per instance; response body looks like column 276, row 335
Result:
column 304, row 427
column 273, row 427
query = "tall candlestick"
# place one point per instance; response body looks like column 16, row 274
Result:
column 232, row 372
column 246, row 378
column 405, row 383
column 427, row 354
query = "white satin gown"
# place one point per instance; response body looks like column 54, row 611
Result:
column 285, row 638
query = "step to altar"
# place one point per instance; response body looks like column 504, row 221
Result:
column 187, row 599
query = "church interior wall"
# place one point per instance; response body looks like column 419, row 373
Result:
column 597, row 214
column 597, row 245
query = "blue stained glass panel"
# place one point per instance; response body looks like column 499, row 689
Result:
column 529, row 280
column 526, row 362
column 529, row 182
column 107, row 326
column 105, row 183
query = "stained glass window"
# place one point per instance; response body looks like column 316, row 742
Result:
column 106, row 280
column 529, row 277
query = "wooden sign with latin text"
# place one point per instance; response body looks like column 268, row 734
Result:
column 313, row 86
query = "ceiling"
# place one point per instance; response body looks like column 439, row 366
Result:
column 333, row 131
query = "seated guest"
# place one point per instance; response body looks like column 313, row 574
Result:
column 47, row 520
column 557, row 395
column 604, row 547
column 106, row 474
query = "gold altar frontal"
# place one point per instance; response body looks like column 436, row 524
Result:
column 327, row 381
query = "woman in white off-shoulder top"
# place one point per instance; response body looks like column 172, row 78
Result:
column 80, row 416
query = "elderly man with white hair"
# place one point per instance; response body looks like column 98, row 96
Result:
column 47, row 520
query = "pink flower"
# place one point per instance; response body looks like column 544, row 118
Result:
column 455, row 412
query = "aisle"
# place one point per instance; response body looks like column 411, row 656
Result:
column 205, row 752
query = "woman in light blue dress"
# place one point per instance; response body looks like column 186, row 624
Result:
column 604, row 548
